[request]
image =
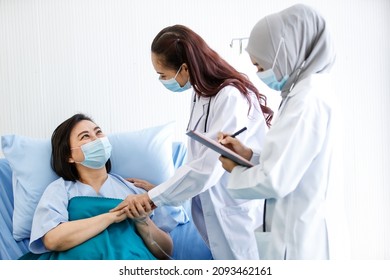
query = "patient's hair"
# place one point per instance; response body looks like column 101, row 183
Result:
column 60, row 144
column 209, row 73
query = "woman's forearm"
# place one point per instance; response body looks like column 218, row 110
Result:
column 70, row 234
column 158, row 241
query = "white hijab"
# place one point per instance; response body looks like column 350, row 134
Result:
column 306, row 38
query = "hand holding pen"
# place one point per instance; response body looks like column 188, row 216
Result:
column 235, row 145
column 222, row 135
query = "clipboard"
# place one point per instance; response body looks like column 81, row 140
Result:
column 219, row 148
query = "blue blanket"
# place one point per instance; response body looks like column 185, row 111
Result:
column 120, row 241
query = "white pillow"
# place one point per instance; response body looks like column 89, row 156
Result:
column 144, row 154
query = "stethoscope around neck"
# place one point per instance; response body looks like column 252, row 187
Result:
column 206, row 111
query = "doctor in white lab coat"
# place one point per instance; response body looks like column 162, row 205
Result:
column 222, row 99
column 299, row 170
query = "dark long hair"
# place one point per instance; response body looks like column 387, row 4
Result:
column 209, row 73
column 60, row 145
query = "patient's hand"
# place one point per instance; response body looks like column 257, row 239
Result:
column 135, row 206
column 118, row 216
column 141, row 183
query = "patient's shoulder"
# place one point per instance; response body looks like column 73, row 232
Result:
column 121, row 181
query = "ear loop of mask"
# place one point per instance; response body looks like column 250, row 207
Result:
column 285, row 55
column 297, row 76
column 178, row 71
column 153, row 242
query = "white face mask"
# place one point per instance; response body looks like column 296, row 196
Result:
column 96, row 153
column 269, row 78
column 173, row 85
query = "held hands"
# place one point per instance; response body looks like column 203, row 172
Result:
column 117, row 216
column 137, row 207
column 234, row 145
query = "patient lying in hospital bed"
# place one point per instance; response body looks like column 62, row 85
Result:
column 172, row 221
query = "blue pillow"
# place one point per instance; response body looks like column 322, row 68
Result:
column 144, row 154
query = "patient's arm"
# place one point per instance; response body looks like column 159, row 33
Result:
column 143, row 184
column 158, row 241
column 70, row 234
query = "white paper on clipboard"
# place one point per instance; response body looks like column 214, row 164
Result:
column 219, row 148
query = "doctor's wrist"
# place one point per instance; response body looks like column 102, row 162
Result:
column 247, row 153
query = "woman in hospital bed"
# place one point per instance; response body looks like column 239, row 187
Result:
column 72, row 219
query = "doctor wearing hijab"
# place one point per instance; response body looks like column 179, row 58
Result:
column 222, row 99
column 298, row 172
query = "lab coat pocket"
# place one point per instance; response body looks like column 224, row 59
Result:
column 267, row 246
column 264, row 243
column 239, row 222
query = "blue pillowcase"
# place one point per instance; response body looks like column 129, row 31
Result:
column 144, row 154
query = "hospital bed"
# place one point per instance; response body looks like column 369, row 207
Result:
column 188, row 245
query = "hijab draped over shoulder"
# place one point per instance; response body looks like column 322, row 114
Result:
column 306, row 38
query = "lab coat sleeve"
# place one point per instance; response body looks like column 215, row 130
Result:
column 290, row 146
column 255, row 158
column 228, row 112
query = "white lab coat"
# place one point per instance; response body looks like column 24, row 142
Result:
column 226, row 224
column 300, row 175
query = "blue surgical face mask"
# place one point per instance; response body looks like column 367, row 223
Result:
column 269, row 78
column 96, row 153
column 173, row 85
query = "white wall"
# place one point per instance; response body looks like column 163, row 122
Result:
column 62, row 57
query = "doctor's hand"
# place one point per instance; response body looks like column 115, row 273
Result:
column 227, row 163
column 135, row 206
column 235, row 145
column 141, row 183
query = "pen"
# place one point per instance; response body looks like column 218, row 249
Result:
column 238, row 132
